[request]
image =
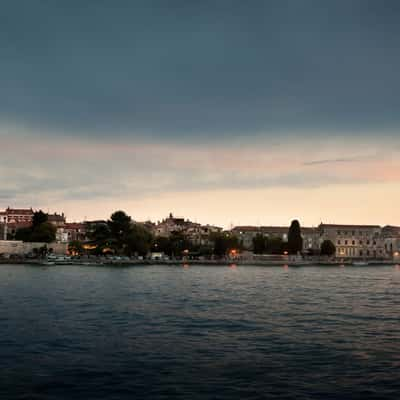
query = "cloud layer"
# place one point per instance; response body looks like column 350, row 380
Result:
column 192, row 70
column 160, row 106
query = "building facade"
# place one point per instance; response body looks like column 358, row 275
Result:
column 246, row 234
column 355, row 241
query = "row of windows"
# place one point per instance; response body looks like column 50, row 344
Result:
column 353, row 233
column 353, row 242
column 361, row 253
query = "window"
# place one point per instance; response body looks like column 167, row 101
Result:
column 361, row 242
column 353, row 242
column 345, row 242
column 338, row 242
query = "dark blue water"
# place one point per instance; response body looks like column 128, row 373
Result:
column 70, row 332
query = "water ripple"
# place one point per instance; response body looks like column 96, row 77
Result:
column 199, row 333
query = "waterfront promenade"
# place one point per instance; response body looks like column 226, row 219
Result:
column 222, row 262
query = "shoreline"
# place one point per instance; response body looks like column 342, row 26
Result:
column 271, row 263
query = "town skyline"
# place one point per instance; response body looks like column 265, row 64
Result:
column 192, row 218
column 245, row 115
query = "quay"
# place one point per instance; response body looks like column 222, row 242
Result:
column 222, row 262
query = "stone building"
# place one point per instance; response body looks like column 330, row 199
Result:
column 391, row 238
column 56, row 219
column 12, row 219
column 355, row 241
column 246, row 234
column 195, row 232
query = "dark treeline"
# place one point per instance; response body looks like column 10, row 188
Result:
column 120, row 235
column 40, row 231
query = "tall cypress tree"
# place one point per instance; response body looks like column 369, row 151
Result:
column 295, row 241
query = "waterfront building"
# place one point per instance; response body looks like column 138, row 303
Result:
column 246, row 234
column 16, row 215
column 170, row 225
column 391, row 237
column 56, row 219
column 12, row 219
column 201, row 234
column 355, row 241
column 193, row 231
column 71, row 231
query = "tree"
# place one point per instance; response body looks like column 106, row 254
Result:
column 259, row 244
column 161, row 244
column 23, row 234
column 295, row 241
column 39, row 217
column 100, row 234
column 224, row 242
column 138, row 240
column 275, row 245
column 179, row 243
column 40, row 231
column 45, row 232
column 328, row 248
column 120, row 225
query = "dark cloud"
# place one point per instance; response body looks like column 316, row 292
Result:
column 190, row 69
column 335, row 161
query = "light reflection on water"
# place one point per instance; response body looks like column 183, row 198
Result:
column 201, row 332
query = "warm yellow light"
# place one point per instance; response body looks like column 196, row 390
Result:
column 89, row 246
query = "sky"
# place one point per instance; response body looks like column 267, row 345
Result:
column 224, row 112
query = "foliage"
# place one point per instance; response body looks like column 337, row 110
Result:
column 275, row 245
column 174, row 245
column 138, row 240
column 100, row 235
column 39, row 217
column 120, row 225
column 295, row 241
column 162, row 245
column 121, row 235
column 224, row 242
column 45, row 232
column 268, row 245
column 259, row 244
column 40, row 231
column 328, row 248
column 23, row 234
column 41, row 251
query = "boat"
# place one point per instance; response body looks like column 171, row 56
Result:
column 47, row 263
column 360, row 263
column 59, row 260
